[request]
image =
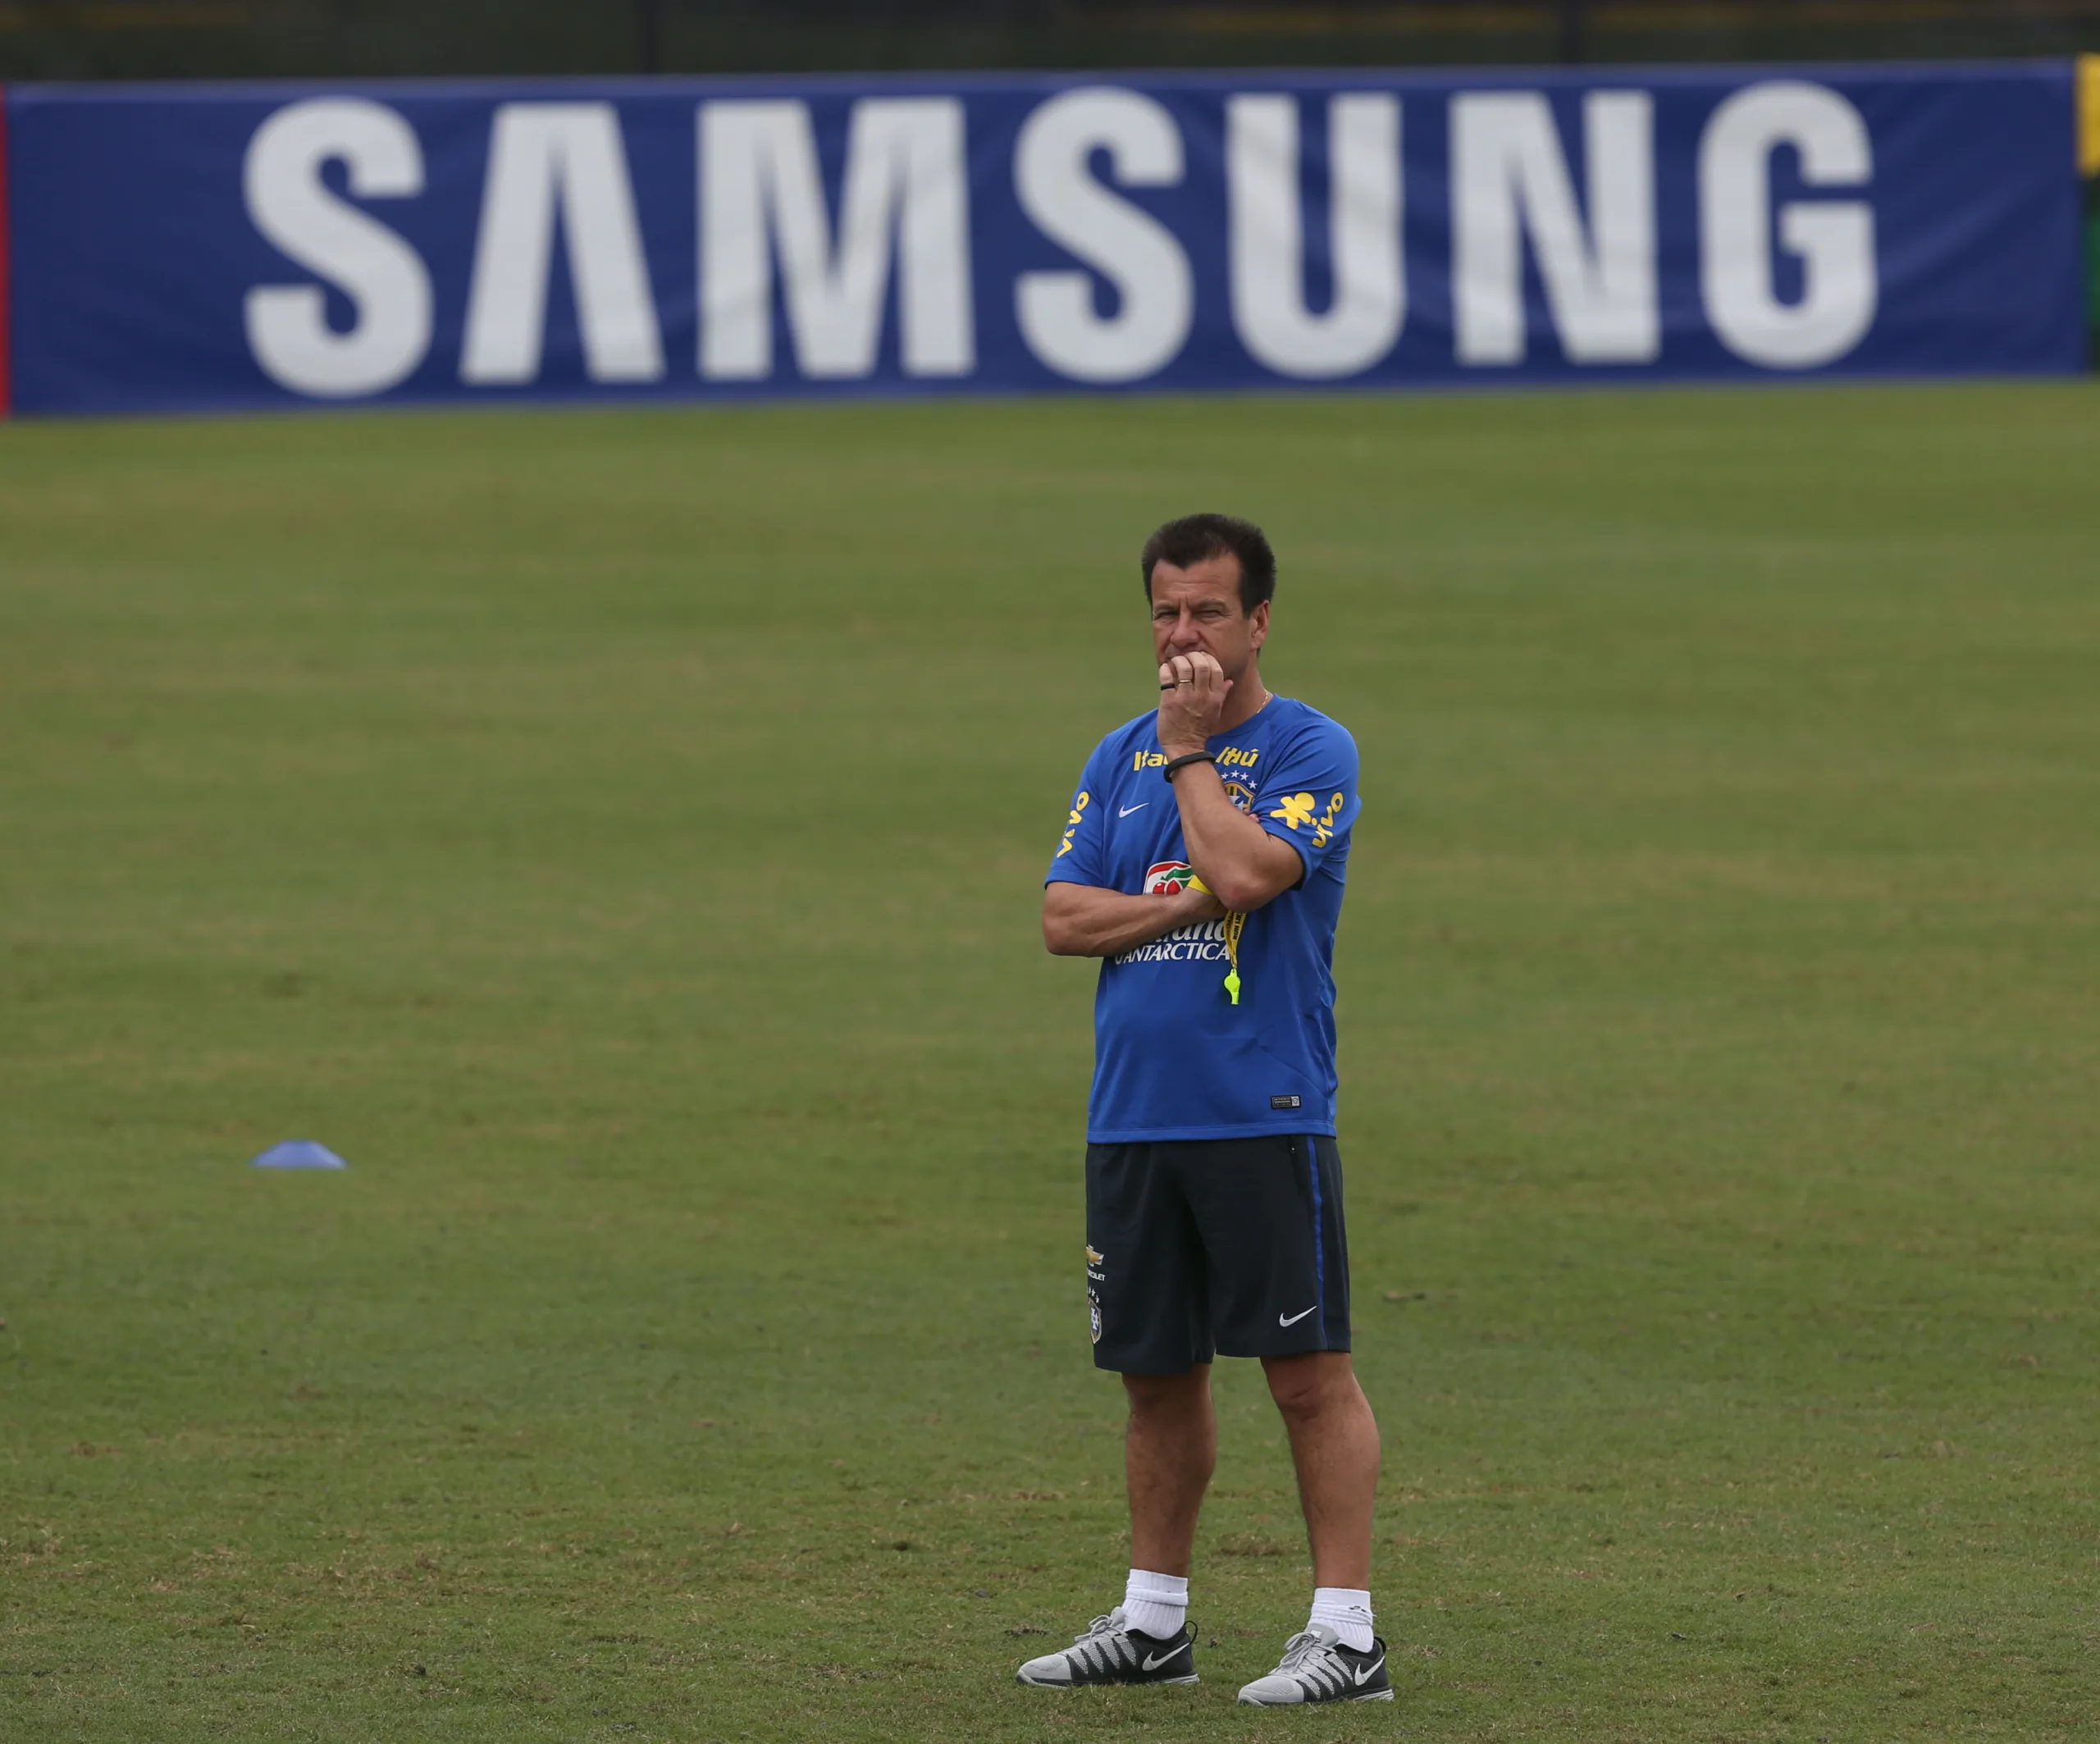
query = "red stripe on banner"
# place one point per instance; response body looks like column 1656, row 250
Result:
column 7, row 322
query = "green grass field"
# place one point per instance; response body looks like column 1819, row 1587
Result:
column 620, row 835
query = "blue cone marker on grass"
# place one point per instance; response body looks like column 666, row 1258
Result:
column 299, row 1153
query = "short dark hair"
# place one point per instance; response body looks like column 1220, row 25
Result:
column 1195, row 537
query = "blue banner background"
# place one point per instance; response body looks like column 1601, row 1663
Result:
column 134, row 250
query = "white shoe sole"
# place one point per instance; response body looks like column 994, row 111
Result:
column 1256, row 1701
column 1046, row 1683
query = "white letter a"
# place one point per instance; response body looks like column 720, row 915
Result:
column 542, row 157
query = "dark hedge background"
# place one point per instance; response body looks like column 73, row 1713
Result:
column 194, row 38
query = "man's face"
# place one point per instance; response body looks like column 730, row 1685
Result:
column 1198, row 608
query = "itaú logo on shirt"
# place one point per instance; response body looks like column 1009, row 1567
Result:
column 1228, row 759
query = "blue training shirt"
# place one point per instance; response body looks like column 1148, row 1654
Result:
column 1173, row 1057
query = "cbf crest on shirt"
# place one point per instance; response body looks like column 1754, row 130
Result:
column 1174, row 1057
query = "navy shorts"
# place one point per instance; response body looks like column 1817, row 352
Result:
column 1199, row 1247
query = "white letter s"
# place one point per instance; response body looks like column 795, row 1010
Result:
column 1128, row 247
column 288, row 329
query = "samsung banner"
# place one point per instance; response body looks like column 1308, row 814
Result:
column 249, row 246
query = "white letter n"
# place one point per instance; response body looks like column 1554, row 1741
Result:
column 543, row 157
column 1507, row 170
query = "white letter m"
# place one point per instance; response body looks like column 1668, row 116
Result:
column 905, row 177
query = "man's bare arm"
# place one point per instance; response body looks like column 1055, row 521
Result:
column 1084, row 920
column 1242, row 862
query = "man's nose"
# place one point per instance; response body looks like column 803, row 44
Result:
column 1184, row 633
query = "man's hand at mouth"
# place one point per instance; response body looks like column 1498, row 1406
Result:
column 1192, row 691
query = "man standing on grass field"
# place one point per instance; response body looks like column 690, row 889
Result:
column 1202, row 860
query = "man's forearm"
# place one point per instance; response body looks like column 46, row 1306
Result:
column 1080, row 920
column 1239, row 861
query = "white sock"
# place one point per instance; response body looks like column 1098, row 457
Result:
column 1345, row 1610
column 1155, row 1604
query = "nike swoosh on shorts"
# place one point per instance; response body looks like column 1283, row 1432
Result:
column 1292, row 1320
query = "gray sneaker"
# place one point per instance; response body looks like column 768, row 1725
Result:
column 1317, row 1667
column 1112, row 1651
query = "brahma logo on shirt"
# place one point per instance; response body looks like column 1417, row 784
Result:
column 1200, row 941
column 1170, row 877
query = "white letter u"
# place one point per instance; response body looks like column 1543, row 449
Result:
column 1268, row 277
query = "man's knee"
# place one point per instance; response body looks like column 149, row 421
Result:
column 1168, row 1395
column 1310, row 1385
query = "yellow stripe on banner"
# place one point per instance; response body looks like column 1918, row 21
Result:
column 2088, row 114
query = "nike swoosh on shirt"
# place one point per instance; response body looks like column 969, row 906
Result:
column 1292, row 1320
column 1128, row 810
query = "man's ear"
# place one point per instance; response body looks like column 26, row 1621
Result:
column 1257, row 621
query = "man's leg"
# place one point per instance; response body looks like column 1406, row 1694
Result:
column 1334, row 1443
column 1144, row 1279
column 1273, row 1230
column 1169, row 1453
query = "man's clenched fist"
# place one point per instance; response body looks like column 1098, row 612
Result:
column 1192, row 692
